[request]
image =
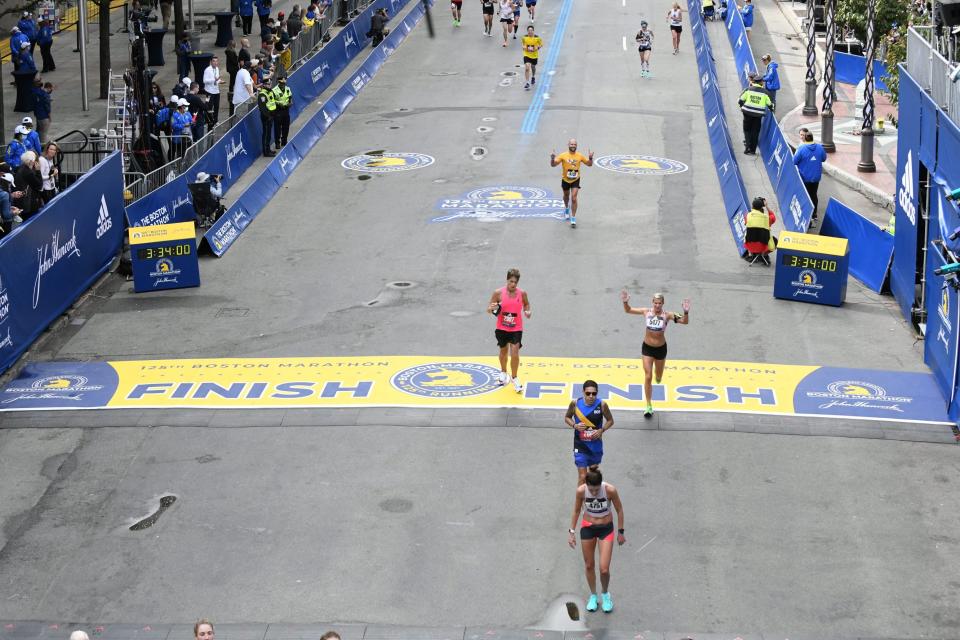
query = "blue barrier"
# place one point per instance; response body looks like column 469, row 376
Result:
column 241, row 146
column 221, row 236
column 49, row 261
column 851, row 69
column 871, row 248
column 903, row 275
column 796, row 208
column 732, row 188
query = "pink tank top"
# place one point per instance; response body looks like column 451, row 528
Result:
column 511, row 310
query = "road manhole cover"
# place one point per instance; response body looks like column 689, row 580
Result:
column 364, row 176
column 400, row 284
column 478, row 153
column 488, row 119
column 484, row 129
column 508, row 74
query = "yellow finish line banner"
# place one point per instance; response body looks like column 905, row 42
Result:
column 457, row 382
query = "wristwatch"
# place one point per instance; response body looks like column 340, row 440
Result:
column 571, row 531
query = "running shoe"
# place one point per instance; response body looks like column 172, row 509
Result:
column 504, row 44
column 649, row 412
column 573, row 222
column 527, row 86
column 533, row 80
column 607, row 602
column 514, row 36
column 517, row 385
column 504, row 378
column 566, row 213
column 592, row 602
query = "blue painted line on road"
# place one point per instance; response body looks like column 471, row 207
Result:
column 532, row 119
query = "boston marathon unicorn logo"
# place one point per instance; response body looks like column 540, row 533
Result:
column 447, row 380
column 501, row 202
column 640, row 165
column 387, row 162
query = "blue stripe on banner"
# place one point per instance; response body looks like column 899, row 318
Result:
column 532, row 119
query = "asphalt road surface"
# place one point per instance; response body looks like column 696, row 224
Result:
column 462, row 525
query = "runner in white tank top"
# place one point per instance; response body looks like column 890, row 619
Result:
column 654, row 351
column 594, row 499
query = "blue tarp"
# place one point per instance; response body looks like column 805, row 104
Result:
column 851, row 69
column 871, row 248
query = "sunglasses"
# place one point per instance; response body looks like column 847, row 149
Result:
column 589, row 393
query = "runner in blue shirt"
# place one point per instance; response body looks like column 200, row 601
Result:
column 586, row 417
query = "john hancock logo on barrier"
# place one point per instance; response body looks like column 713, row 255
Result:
column 66, row 387
column 640, row 165
column 806, row 284
column 505, row 201
column 233, row 148
column 858, row 394
column 447, row 380
column 50, row 253
column 387, row 162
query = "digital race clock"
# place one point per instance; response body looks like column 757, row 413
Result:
column 811, row 268
column 808, row 262
column 167, row 251
column 164, row 256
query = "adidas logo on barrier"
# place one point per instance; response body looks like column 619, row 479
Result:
column 905, row 194
column 104, row 222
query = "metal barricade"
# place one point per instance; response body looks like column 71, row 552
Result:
column 932, row 71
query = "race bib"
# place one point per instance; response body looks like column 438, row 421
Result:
column 572, row 174
column 509, row 319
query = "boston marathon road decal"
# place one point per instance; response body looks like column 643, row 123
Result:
column 387, row 162
column 640, row 165
column 501, row 202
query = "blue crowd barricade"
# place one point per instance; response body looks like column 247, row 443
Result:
column 903, row 274
column 851, row 69
column 222, row 235
column 49, row 261
column 871, row 248
column 742, row 53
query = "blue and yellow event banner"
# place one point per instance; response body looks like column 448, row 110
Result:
column 457, row 382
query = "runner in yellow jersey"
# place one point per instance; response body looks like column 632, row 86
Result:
column 571, row 160
column 531, row 52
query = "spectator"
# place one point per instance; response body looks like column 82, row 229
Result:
column 211, row 87
column 233, row 65
column 166, row 11
column 809, row 159
column 311, row 16
column 283, row 36
column 216, row 187
column 267, row 31
column 182, row 88
column 771, row 77
column 28, row 28
column 263, row 11
column 16, row 39
column 294, row 22
column 184, row 46
column 28, row 181
column 49, row 171
column 157, row 99
column 32, row 140
column 244, row 53
column 746, row 12
column 197, row 106
column 259, row 71
column 378, row 22
column 754, row 104
column 286, row 57
column 758, row 240
column 45, row 40
column 15, row 148
column 9, row 214
column 163, row 122
column 242, row 87
column 203, row 630
column 281, row 124
column 42, row 107
column 268, row 109
column 245, row 7
column 25, row 59
column 180, row 123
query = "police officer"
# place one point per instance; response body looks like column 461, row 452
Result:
column 267, row 103
column 754, row 103
column 281, row 120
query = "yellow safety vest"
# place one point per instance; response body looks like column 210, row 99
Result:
column 283, row 96
column 269, row 99
column 755, row 102
column 758, row 220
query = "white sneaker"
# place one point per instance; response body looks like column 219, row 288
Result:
column 517, row 385
column 504, row 378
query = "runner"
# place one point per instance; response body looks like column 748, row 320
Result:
column 532, row 9
column 455, row 7
column 506, row 19
column 585, row 416
column 506, row 304
column 570, row 178
column 532, row 44
column 645, row 47
column 517, row 5
column 675, row 20
column 595, row 498
column 654, row 349
column 488, row 10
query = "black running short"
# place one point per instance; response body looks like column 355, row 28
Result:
column 507, row 20
column 642, row 49
column 530, row 61
column 596, row 531
column 566, row 186
column 488, row 11
column 657, row 353
column 508, row 337
column 677, row 28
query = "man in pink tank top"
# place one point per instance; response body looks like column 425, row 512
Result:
column 510, row 304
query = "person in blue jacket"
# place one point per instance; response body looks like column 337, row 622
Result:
column 16, row 39
column 771, row 77
column 245, row 7
column 263, row 11
column 25, row 59
column 32, row 140
column 42, row 108
column 28, row 28
column 809, row 160
column 180, row 124
column 15, row 148
column 45, row 40
column 746, row 12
